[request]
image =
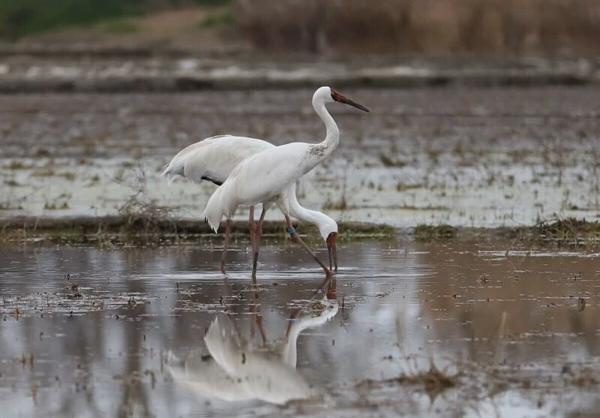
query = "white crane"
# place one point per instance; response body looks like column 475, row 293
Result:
column 213, row 159
column 268, row 176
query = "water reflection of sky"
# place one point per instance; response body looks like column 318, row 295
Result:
column 144, row 311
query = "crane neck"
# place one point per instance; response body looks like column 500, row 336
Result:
column 324, row 223
column 290, row 349
column 332, row 137
column 289, row 352
column 307, row 215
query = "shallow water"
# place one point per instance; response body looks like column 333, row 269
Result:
column 124, row 333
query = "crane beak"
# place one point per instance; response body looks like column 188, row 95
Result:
column 331, row 248
column 339, row 97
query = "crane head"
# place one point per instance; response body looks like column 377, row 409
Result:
column 329, row 94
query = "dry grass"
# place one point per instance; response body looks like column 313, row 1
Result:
column 566, row 229
column 143, row 216
column 426, row 26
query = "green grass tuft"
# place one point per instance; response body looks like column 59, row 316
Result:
column 217, row 20
column 118, row 25
column 434, row 233
column 19, row 18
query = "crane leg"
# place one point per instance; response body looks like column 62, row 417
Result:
column 225, row 244
column 295, row 237
column 258, row 318
column 252, row 228
column 257, row 237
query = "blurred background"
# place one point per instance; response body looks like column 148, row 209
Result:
column 195, row 44
column 497, row 28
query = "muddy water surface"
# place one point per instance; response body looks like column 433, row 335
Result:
column 159, row 332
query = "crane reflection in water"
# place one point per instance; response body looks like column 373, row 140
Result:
column 242, row 366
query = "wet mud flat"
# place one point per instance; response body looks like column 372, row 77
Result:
column 464, row 156
column 441, row 328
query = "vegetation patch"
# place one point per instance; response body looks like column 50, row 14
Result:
column 143, row 217
column 9, row 206
column 480, row 381
column 118, row 25
column 147, row 224
column 220, row 19
column 435, row 233
column 19, row 18
column 433, row 381
column 560, row 231
column 17, row 165
column 56, row 206
column 568, row 228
